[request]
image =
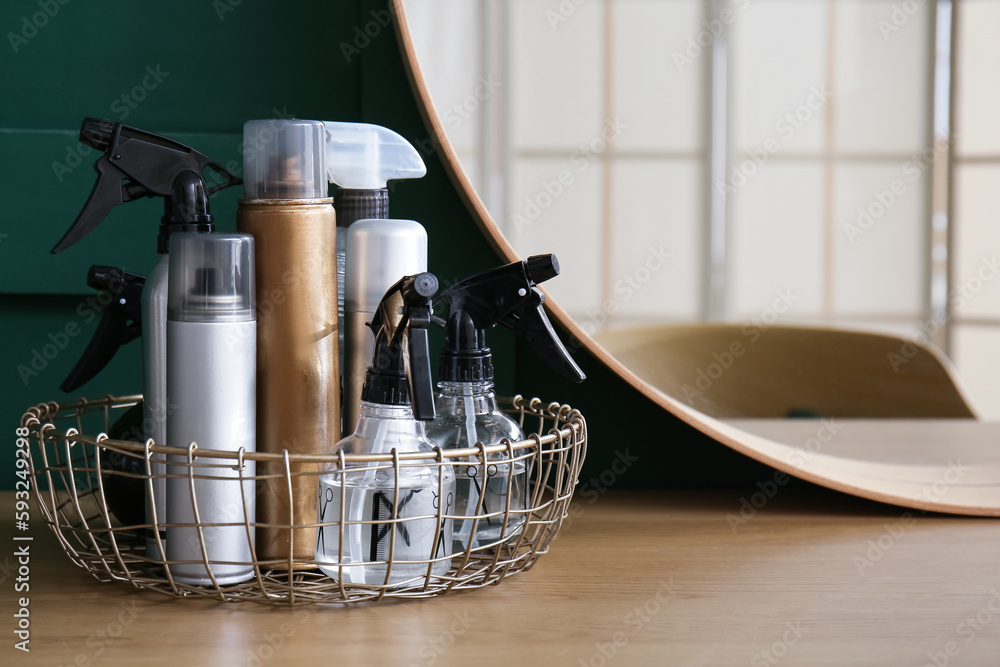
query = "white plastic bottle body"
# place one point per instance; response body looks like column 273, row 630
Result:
column 468, row 414
column 154, row 395
column 211, row 387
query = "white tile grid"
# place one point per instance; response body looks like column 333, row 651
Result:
column 658, row 209
column 776, row 241
column 564, row 218
column 778, row 57
column 977, row 241
column 556, row 96
column 451, row 67
column 655, row 90
column 882, row 78
column 978, row 62
column 880, row 249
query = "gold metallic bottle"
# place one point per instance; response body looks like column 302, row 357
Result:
column 293, row 223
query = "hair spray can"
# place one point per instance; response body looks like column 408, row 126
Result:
column 211, row 386
column 293, row 222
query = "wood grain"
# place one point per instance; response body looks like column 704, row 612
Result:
column 677, row 578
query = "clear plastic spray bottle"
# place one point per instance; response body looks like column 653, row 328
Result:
column 493, row 501
column 377, row 527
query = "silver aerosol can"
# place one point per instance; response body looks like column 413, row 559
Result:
column 379, row 251
column 211, row 388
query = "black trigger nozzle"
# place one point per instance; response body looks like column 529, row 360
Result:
column 96, row 133
column 541, row 268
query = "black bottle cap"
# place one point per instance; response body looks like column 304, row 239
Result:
column 386, row 387
column 354, row 205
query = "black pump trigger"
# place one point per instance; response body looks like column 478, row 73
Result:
column 121, row 322
column 533, row 324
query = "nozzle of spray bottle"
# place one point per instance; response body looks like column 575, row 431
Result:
column 385, row 510
column 492, row 500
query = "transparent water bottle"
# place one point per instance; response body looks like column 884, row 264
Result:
column 467, row 413
column 380, row 516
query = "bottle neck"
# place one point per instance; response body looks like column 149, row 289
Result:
column 455, row 397
column 374, row 416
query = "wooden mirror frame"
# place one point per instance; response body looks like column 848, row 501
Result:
column 904, row 461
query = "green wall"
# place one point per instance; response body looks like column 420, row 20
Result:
column 195, row 71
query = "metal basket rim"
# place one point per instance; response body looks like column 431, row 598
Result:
column 535, row 407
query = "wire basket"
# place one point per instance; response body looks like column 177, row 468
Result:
column 92, row 492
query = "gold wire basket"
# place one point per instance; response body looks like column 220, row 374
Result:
column 72, row 480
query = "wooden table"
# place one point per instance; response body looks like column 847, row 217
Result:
column 810, row 577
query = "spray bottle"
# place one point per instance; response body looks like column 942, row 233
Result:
column 378, row 510
column 138, row 164
column 467, row 408
column 362, row 159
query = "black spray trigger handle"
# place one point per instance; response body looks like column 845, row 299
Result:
column 120, row 323
column 107, row 193
column 421, row 381
column 531, row 322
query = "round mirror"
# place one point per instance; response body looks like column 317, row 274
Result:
column 774, row 218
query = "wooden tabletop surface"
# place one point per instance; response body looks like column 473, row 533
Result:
column 782, row 574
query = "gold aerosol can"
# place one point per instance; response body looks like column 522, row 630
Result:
column 286, row 208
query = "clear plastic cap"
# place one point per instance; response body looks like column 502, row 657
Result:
column 211, row 278
column 284, row 159
column 361, row 156
column 379, row 253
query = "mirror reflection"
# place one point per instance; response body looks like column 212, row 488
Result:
column 824, row 163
